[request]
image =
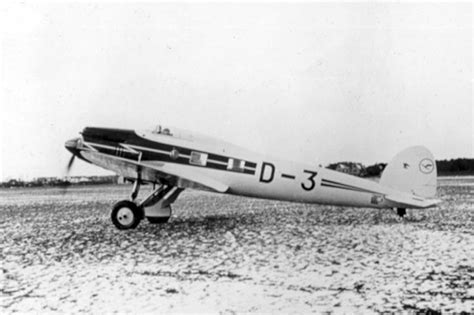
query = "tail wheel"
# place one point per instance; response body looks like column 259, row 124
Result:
column 126, row 215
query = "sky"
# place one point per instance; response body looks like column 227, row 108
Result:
column 313, row 82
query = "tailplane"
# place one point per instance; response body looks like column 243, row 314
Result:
column 413, row 171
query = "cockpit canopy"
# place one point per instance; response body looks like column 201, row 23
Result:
column 206, row 143
column 178, row 133
column 162, row 130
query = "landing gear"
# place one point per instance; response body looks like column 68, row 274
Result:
column 401, row 212
column 136, row 189
column 126, row 215
column 158, row 204
column 156, row 207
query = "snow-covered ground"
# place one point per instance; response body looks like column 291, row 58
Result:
column 59, row 252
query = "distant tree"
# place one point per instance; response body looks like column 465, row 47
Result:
column 460, row 166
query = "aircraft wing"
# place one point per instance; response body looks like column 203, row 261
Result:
column 188, row 175
column 412, row 201
column 155, row 170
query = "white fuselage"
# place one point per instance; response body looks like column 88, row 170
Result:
column 281, row 180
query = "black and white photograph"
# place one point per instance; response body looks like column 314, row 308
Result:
column 236, row 157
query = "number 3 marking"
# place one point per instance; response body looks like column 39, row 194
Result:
column 311, row 180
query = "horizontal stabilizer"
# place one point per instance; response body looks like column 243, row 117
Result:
column 413, row 201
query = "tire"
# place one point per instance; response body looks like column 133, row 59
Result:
column 155, row 220
column 126, row 215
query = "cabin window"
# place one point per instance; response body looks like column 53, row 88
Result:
column 236, row 165
column 198, row 158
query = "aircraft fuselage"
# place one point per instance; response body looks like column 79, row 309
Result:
column 246, row 173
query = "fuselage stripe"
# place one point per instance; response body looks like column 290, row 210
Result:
column 219, row 158
column 342, row 187
column 250, row 164
column 329, row 183
column 150, row 149
column 152, row 154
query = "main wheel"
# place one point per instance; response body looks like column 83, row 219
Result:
column 126, row 215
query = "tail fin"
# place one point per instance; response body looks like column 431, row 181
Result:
column 413, row 170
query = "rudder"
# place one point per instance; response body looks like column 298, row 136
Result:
column 413, row 170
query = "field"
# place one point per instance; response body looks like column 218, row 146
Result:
column 59, row 252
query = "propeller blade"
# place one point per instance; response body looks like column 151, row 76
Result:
column 71, row 162
column 68, row 169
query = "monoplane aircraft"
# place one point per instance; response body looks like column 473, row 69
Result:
column 175, row 160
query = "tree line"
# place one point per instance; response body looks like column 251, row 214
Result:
column 453, row 167
column 60, row 181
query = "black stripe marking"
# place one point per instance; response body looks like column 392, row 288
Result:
column 349, row 188
column 105, row 142
column 106, row 150
column 332, row 186
column 342, row 187
column 165, row 157
column 250, row 164
column 288, row 176
column 117, row 151
column 216, row 166
column 219, row 158
column 341, row 184
column 330, row 183
column 247, row 171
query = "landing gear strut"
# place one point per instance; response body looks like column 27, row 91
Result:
column 158, row 204
column 156, row 207
column 135, row 190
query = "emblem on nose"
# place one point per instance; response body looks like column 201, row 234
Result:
column 174, row 154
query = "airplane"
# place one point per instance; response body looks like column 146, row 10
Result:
column 173, row 160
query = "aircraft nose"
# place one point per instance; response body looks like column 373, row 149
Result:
column 72, row 145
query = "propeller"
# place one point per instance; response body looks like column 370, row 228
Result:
column 71, row 146
column 70, row 163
